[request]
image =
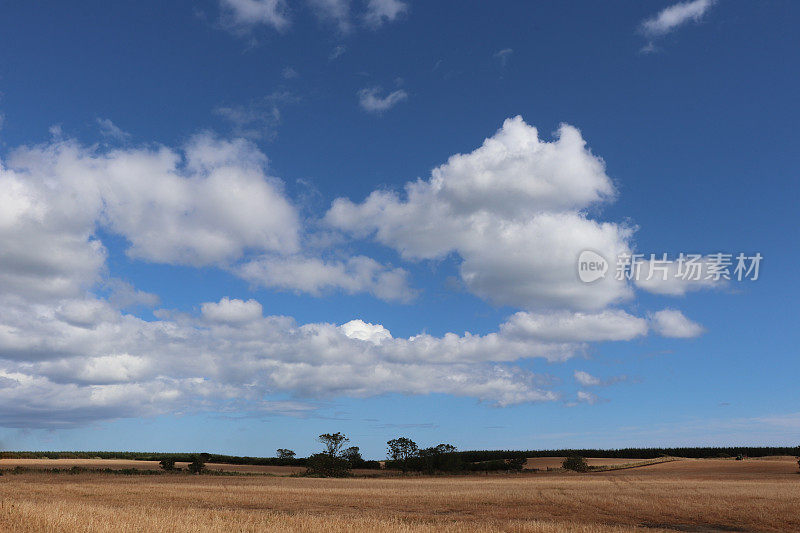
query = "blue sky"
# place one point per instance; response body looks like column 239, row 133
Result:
column 232, row 225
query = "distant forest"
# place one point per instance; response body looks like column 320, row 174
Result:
column 634, row 453
column 466, row 456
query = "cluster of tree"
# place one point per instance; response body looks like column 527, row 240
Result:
column 336, row 460
column 405, row 455
column 197, row 464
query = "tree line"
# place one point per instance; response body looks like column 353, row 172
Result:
column 636, row 453
column 405, row 455
column 183, row 457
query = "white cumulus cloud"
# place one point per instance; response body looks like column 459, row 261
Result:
column 513, row 210
column 69, row 368
column 607, row 325
column 231, row 311
column 204, row 205
column 673, row 323
column 210, row 203
column 358, row 329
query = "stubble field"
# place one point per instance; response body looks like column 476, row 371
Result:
column 685, row 495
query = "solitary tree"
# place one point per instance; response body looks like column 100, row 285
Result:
column 578, row 464
column 198, row 465
column 284, row 453
column 168, row 463
column 333, row 443
column 402, row 450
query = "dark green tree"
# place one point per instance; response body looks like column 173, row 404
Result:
column 284, row 453
column 333, row 443
column 576, row 463
column 198, row 465
column 353, row 456
column 325, row 465
column 331, row 462
column 402, row 450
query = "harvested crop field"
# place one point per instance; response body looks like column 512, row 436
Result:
column 685, row 495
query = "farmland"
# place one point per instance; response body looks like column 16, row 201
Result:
column 685, row 495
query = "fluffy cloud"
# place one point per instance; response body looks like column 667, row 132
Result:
column 317, row 276
column 114, row 364
column 674, row 16
column 204, row 206
column 47, row 247
column 358, row 329
column 211, row 203
column 370, row 100
column 68, row 357
column 513, row 210
column 228, row 311
column 673, row 323
column 123, row 295
column 85, row 313
column 608, row 325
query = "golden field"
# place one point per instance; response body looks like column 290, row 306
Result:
column 684, row 495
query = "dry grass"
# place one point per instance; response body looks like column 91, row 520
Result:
column 687, row 495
